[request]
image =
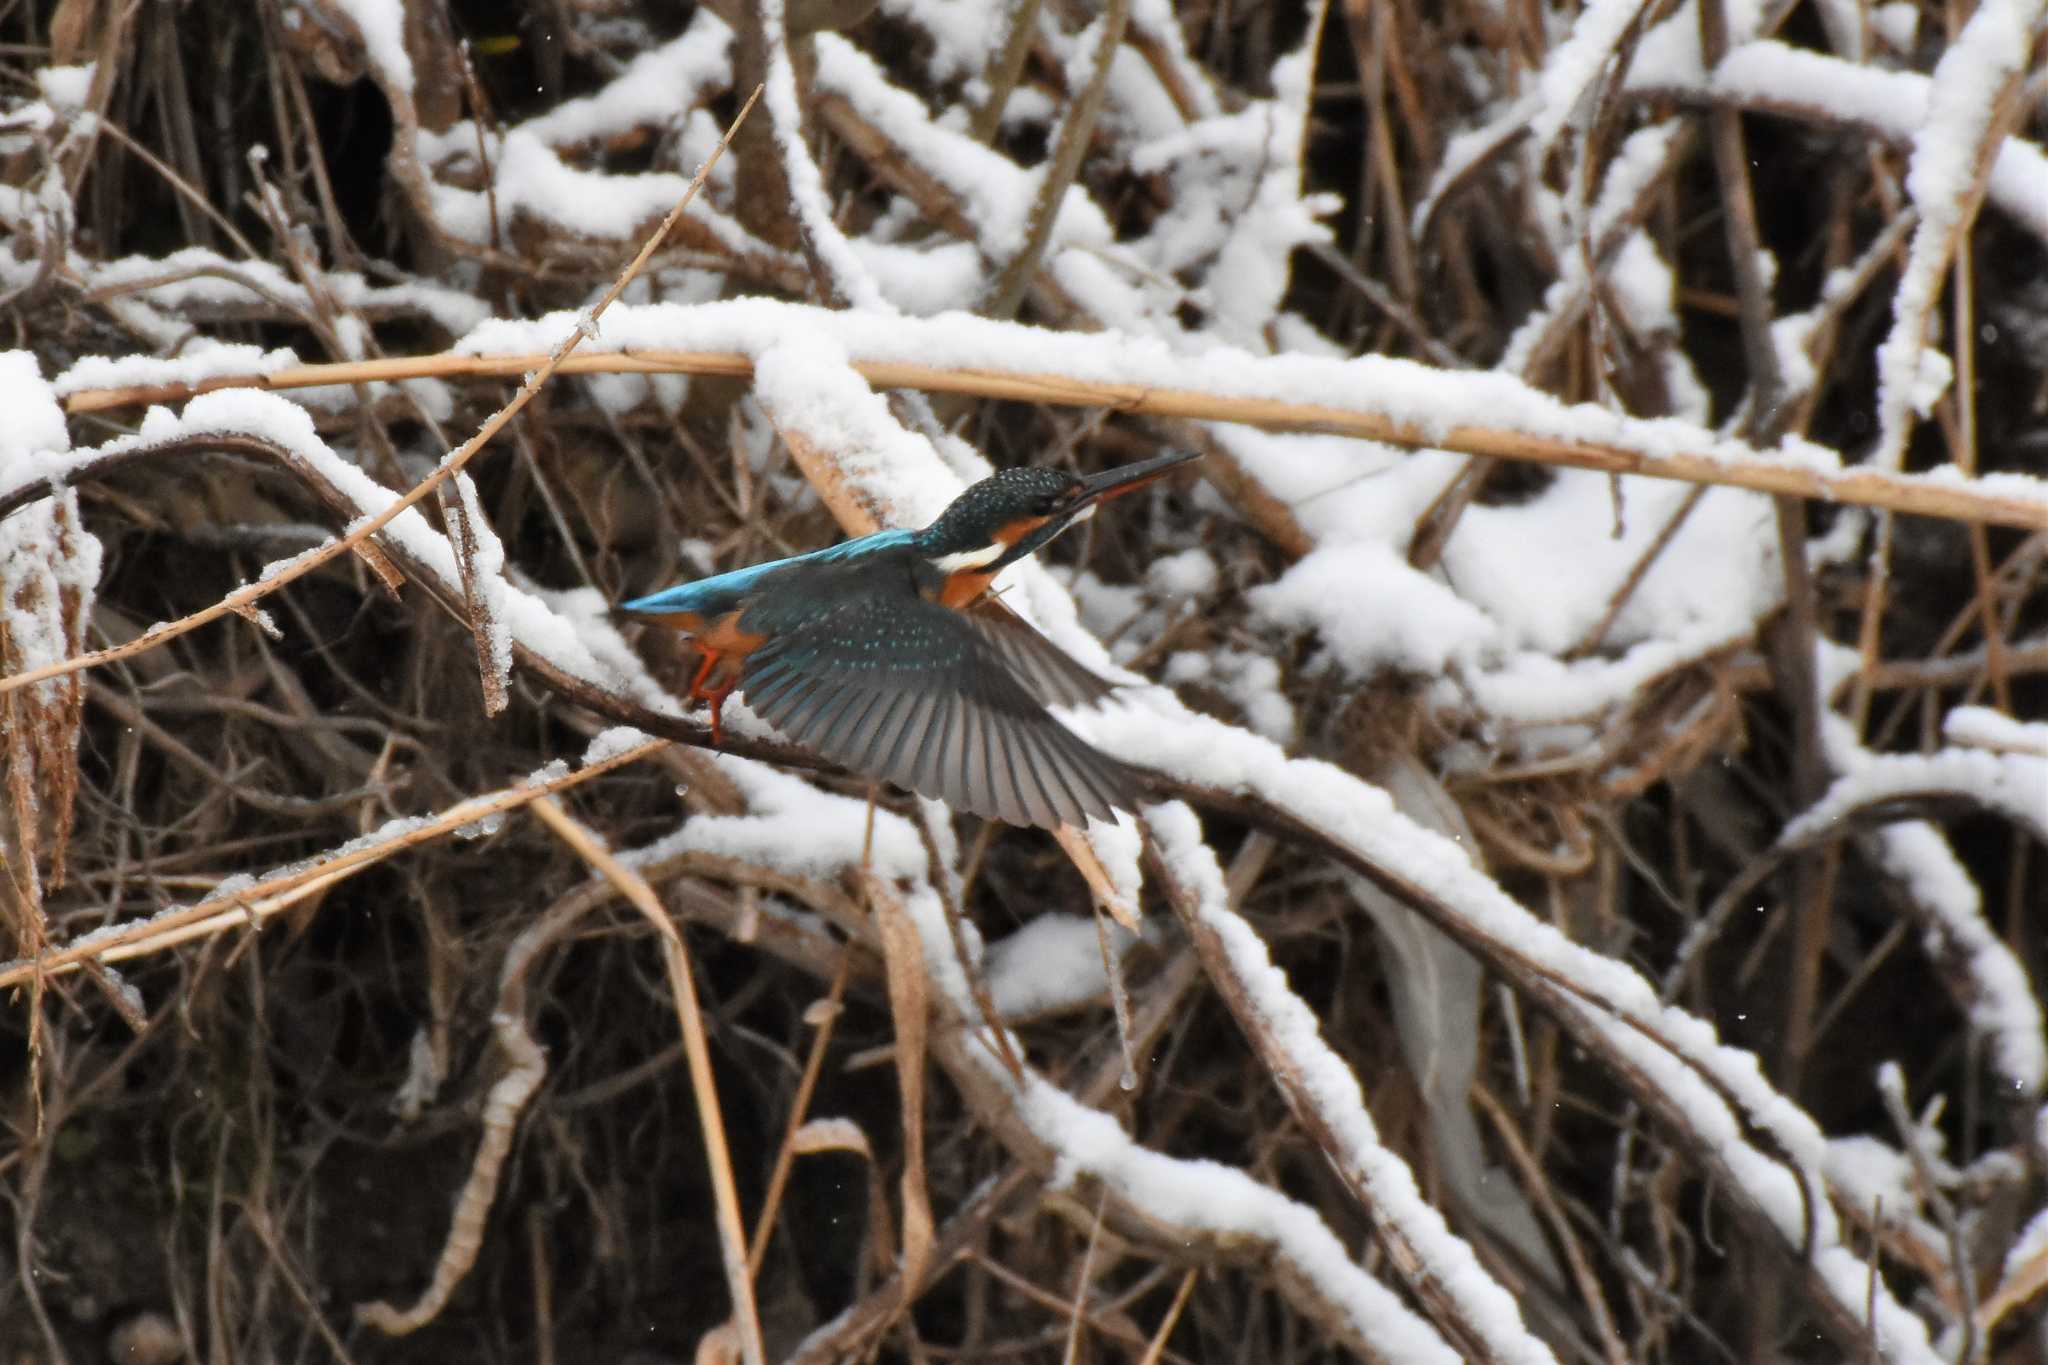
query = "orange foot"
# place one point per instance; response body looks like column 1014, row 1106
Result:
column 703, row 671
column 717, row 699
column 716, row 696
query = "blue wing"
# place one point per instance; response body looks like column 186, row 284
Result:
column 713, row 597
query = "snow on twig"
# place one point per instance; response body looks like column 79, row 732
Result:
column 1439, row 1266
column 1952, row 151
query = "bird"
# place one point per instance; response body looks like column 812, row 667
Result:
column 889, row 655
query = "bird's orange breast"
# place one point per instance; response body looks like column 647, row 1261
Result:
column 964, row 587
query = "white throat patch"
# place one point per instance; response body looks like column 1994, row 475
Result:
column 969, row 559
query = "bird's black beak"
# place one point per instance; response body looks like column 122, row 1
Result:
column 1114, row 483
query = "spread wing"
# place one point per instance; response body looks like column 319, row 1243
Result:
column 1046, row 670
column 903, row 689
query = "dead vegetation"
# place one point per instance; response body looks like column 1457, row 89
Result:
column 344, row 1025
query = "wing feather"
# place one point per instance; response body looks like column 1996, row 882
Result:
column 1004, row 779
column 1060, row 768
column 868, row 744
column 1048, row 672
column 949, row 705
column 975, row 774
column 786, row 709
column 898, row 761
column 952, row 772
column 772, row 693
column 1035, row 770
column 857, row 721
column 931, row 756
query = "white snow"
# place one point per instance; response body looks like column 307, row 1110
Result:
column 201, row 360
column 1575, row 65
column 1188, row 573
column 611, row 742
column 197, row 278
column 1965, row 90
column 1250, row 680
column 46, row 554
column 1892, row 102
column 1983, row 728
column 1371, row 610
column 2005, row 1005
column 1331, row 1086
column 2014, row 784
column 655, row 86
column 35, row 421
column 65, row 88
column 1210, row 1196
column 382, row 26
column 1053, row 962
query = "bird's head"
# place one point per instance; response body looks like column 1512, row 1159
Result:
column 1014, row 512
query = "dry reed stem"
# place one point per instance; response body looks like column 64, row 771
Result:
column 1538, row 1188
column 1089, row 864
column 253, row 904
column 675, row 959
column 1077, row 124
column 1588, row 1017
column 1077, row 1310
column 910, row 1009
column 1164, row 1004
column 824, row 1014
column 1156, row 1348
column 2023, row 1283
column 1959, row 499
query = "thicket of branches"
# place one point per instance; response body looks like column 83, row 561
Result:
column 409, row 1059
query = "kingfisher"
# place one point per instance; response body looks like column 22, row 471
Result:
column 889, row 655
